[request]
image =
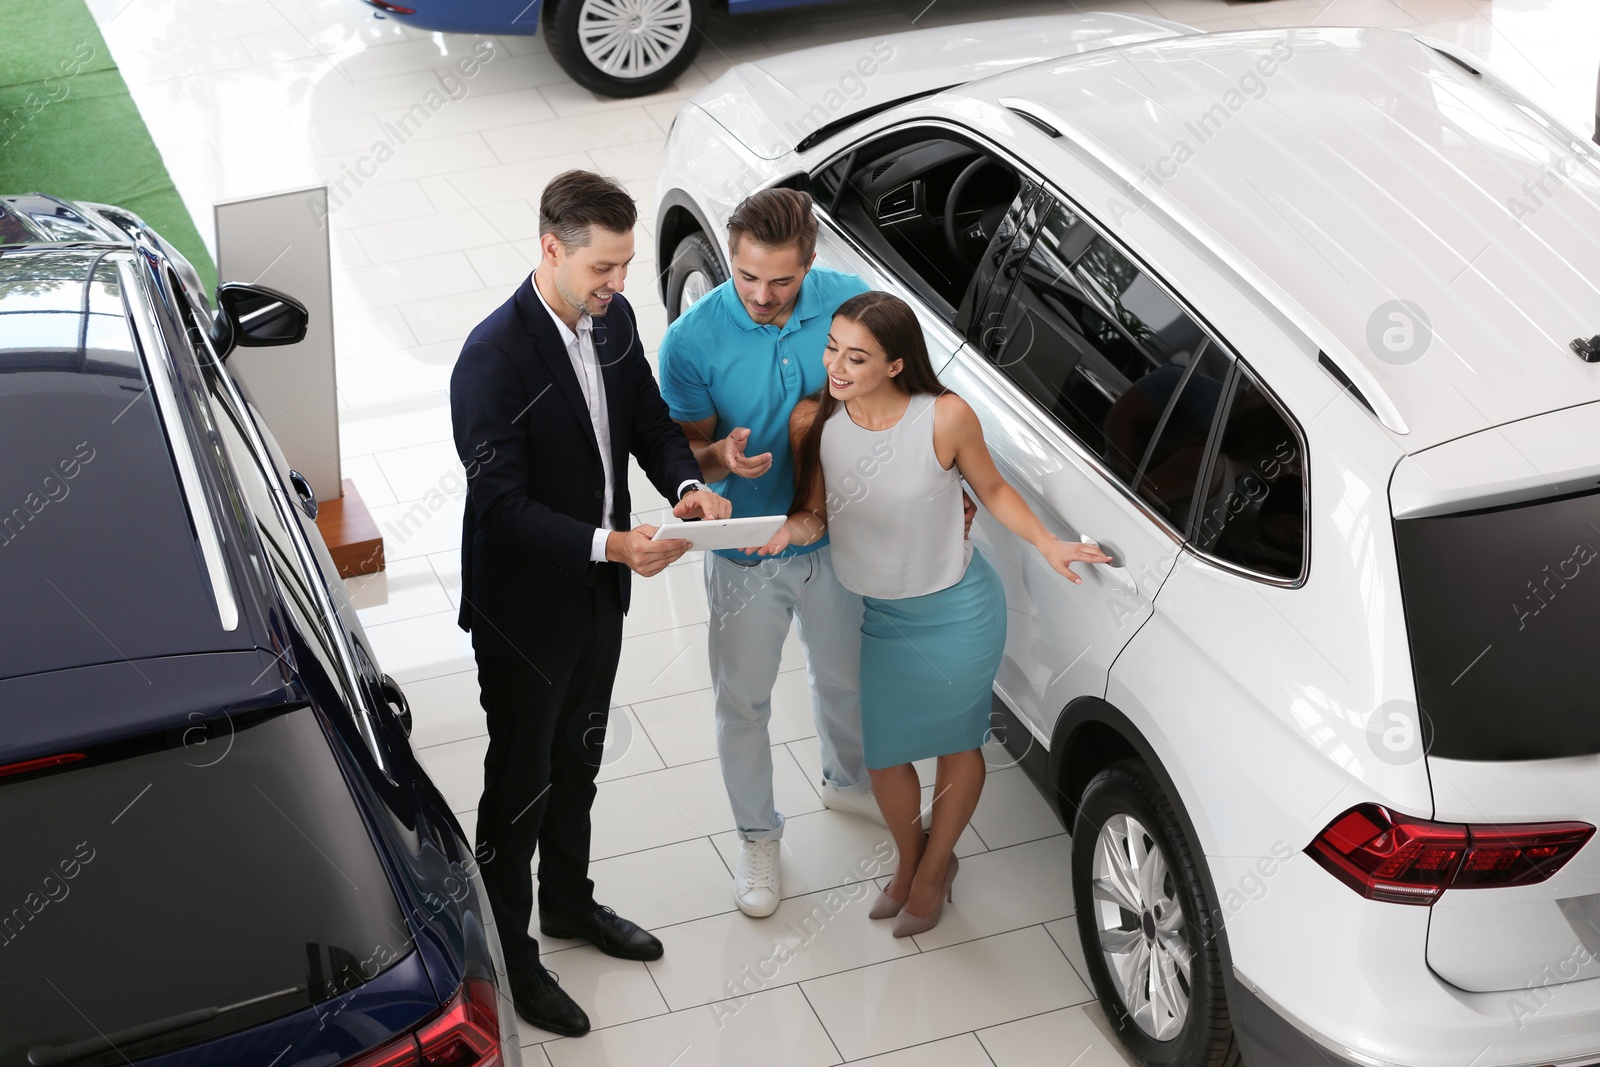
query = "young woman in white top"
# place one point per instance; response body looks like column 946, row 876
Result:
column 881, row 454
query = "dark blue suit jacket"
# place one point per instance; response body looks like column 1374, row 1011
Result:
column 534, row 481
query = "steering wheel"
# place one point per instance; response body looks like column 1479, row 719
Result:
column 961, row 243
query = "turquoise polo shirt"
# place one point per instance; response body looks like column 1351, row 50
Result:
column 715, row 361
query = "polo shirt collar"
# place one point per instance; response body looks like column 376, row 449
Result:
column 736, row 310
column 567, row 334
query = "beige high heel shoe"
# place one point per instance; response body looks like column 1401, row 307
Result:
column 907, row 924
column 886, row 907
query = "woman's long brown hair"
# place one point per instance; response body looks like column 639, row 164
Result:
column 894, row 326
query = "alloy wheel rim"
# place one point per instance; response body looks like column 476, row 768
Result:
column 632, row 38
column 1140, row 924
column 696, row 285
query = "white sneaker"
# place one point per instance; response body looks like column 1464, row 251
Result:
column 755, row 878
column 861, row 803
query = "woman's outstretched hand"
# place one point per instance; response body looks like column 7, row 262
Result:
column 778, row 543
column 1063, row 554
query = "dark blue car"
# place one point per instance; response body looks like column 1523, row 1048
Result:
column 216, row 845
column 614, row 47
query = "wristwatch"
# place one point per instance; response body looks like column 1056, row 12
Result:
column 693, row 487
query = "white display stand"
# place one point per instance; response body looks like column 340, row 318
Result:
column 275, row 241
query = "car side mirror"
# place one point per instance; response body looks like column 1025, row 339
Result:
column 254, row 316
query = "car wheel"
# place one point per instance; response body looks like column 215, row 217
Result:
column 1144, row 925
column 696, row 269
column 624, row 47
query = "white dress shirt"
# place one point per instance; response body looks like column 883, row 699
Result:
column 580, row 349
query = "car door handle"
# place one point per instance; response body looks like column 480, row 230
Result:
column 396, row 699
column 307, row 495
column 1118, row 560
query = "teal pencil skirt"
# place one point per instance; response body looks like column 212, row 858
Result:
column 927, row 668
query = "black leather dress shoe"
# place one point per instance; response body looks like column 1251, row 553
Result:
column 606, row 931
column 544, row 1004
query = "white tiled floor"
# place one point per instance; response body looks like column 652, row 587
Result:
column 253, row 96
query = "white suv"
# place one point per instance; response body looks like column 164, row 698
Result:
column 1299, row 326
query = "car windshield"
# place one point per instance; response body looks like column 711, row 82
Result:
column 1501, row 640
column 228, row 866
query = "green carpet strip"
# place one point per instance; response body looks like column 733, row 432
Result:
column 69, row 128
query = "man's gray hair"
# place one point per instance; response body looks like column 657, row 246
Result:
column 575, row 201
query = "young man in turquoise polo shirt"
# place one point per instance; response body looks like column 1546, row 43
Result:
column 733, row 366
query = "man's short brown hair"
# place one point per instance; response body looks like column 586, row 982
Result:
column 577, row 200
column 775, row 218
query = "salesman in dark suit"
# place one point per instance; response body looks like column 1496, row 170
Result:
column 549, row 398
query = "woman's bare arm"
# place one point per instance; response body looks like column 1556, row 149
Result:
column 958, row 437
column 809, row 520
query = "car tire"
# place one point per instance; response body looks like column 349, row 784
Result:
column 629, row 61
column 696, row 269
column 1126, row 834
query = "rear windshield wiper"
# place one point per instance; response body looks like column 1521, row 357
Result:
column 50, row 1055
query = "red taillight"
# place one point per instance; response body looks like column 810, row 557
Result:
column 40, row 764
column 382, row 5
column 465, row 1034
column 1396, row 858
column 1520, row 855
column 468, row 1033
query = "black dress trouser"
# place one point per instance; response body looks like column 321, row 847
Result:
column 547, row 725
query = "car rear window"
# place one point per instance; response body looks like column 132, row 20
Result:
column 227, row 867
column 1503, row 610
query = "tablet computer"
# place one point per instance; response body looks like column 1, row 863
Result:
column 750, row 532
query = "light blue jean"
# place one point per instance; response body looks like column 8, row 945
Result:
column 751, row 607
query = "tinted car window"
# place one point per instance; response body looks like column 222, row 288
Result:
column 893, row 196
column 980, row 317
column 1165, row 417
column 1082, row 325
column 230, row 865
column 1252, row 510
column 250, row 481
column 251, row 485
column 1503, row 651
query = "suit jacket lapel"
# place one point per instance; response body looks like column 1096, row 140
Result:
column 547, row 343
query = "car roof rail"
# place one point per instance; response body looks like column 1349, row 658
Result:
column 828, row 129
column 1358, row 379
column 1459, row 60
column 1344, row 379
column 1032, row 114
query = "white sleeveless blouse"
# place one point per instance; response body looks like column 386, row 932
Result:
column 894, row 514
